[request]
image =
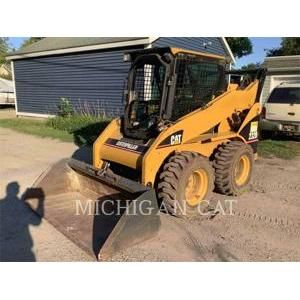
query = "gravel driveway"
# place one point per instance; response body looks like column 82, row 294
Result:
column 264, row 224
column 23, row 235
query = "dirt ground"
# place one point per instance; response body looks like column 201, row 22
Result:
column 264, row 224
column 7, row 112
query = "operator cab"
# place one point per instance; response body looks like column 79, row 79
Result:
column 165, row 84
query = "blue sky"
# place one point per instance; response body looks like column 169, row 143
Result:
column 259, row 46
column 16, row 42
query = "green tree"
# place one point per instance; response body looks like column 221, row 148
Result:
column 4, row 47
column 251, row 66
column 240, row 46
column 30, row 41
column 288, row 46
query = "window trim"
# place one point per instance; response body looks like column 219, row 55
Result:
column 286, row 103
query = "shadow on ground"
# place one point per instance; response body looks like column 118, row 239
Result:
column 277, row 136
column 15, row 218
column 84, row 154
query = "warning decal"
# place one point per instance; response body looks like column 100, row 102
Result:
column 253, row 134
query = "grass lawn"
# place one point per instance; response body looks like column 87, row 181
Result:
column 36, row 127
column 84, row 131
column 285, row 149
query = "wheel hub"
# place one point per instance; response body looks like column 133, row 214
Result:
column 196, row 187
column 242, row 170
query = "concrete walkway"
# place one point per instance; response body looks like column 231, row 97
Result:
column 23, row 236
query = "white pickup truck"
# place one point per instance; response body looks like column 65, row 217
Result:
column 281, row 111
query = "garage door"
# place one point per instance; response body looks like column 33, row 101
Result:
column 276, row 80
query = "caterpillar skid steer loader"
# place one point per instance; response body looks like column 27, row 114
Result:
column 186, row 130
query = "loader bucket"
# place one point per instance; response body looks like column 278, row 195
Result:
column 98, row 217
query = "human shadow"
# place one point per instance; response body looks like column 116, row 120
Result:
column 15, row 217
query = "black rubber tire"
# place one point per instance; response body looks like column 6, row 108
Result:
column 224, row 163
column 173, row 180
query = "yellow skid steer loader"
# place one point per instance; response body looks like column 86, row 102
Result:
column 189, row 127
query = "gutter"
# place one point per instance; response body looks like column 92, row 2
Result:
column 228, row 50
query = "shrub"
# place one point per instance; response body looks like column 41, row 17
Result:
column 84, row 122
column 85, row 128
column 65, row 108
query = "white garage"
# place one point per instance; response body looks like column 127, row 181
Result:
column 280, row 69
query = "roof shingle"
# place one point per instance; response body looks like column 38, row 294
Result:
column 55, row 43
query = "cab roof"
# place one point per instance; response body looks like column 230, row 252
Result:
column 176, row 51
